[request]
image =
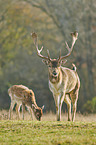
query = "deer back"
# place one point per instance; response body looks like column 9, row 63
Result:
column 22, row 93
column 69, row 79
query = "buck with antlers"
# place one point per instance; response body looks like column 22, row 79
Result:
column 64, row 83
column 23, row 96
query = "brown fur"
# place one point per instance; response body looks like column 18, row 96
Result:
column 23, row 96
column 63, row 82
column 67, row 87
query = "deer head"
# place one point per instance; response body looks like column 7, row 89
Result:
column 54, row 64
column 37, row 111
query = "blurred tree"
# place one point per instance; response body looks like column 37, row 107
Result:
column 53, row 21
column 90, row 106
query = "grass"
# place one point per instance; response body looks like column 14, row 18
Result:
column 48, row 131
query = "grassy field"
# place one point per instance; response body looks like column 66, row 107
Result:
column 48, row 131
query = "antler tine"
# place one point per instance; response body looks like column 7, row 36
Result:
column 59, row 55
column 48, row 54
column 34, row 36
column 74, row 38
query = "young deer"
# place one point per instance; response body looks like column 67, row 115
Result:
column 64, row 83
column 24, row 96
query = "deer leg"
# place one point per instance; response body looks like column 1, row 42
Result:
column 18, row 110
column 58, row 101
column 74, row 111
column 74, row 98
column 11, row 108
column 30, row 112
column 59, row 112
column 68, row 102
column 23, row 110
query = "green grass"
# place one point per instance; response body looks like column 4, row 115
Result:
column 47, row 133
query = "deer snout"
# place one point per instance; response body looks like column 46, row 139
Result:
column 54, row 73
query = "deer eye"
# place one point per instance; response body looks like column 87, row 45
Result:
column 30, row 93
column 49, row 65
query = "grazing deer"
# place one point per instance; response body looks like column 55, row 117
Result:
column 64, row 83
column 23, row 96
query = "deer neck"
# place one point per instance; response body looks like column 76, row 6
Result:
column 57, row 79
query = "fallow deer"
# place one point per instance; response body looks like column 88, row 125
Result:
column 24, row 96
column 64, row 83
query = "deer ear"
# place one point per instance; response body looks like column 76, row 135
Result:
column 45, row 61
column 42, row 107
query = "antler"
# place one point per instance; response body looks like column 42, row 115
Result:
column 34, row 36
column 74, row 37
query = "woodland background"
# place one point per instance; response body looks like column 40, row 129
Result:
column 52, row 21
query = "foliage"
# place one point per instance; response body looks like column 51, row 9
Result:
column 39, row 133
column 90, row 106
column 52, row 21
